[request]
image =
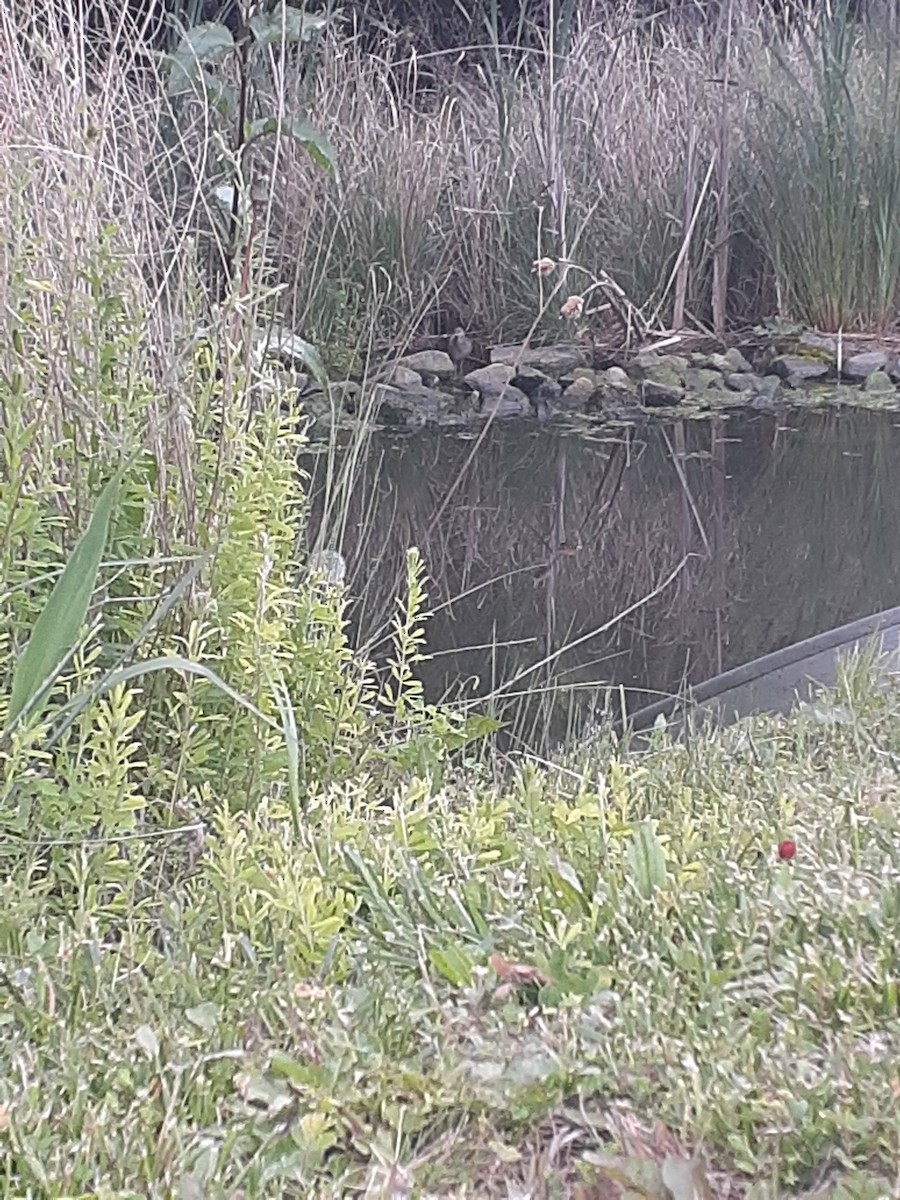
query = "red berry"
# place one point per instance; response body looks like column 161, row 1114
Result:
column 787, row 849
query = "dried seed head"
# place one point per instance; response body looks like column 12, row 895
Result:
column 573, row 308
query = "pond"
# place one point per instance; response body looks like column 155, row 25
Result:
column 571, row 567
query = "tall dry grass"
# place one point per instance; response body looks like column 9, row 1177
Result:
column 645, row 157
column 448, row 200
column 642, row 154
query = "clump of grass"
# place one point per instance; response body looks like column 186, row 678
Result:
column 612, row 155
column 823, row 175
column 444, row 202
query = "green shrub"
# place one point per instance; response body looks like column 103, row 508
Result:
column 176, row 660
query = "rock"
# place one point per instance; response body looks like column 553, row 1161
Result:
column 512, row 403
column 765, row 389
column 878, row 383
column 400, row 376
column 657, row 393
column 491, row 380
column 542, row 392
column 619, row 404
column 723, row 397
column 404, row 405
column 499, row 395
column 843, row 395
column 862, row 365
column 530, row 381
column 762, row 403
column 819, row 341
column 647, row 361
column 548, row 393
column 735, row 361
column 616, row 377
column 666, row 376
column 578, row 395
column 431, row 362
column 794, row 368
column 544, row 398
column 416, row 406
column 740, row 381
column 763, row 386
column 345, row 394
column 552, row 360
column 700, row 379
column 454, row 418
column 318, row 408
column 583, row 373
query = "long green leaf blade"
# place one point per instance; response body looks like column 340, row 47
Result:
column 647, row 860
column 59, row 624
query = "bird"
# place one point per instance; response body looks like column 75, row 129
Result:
column 459, row 347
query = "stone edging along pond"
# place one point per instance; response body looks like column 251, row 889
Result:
column 425, row 389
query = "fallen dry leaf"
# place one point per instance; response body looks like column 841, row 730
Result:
column 518, row 974
column 305, row 991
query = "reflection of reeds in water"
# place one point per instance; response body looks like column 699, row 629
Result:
column 521, row 577
column 786, row 532
column 824, row 522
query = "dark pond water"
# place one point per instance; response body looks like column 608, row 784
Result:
column 565, row 565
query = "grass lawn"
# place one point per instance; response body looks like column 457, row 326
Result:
column 565, row 983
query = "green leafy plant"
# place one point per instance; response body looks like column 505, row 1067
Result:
column 206, row 60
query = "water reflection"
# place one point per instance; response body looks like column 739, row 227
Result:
column 565, row 562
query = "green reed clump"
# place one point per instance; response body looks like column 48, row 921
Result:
column 822, row 174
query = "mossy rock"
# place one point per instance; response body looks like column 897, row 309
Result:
column 648, row 362
column 701, row 379
column 805, row 353
column 665, row 377
column 879, row 383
